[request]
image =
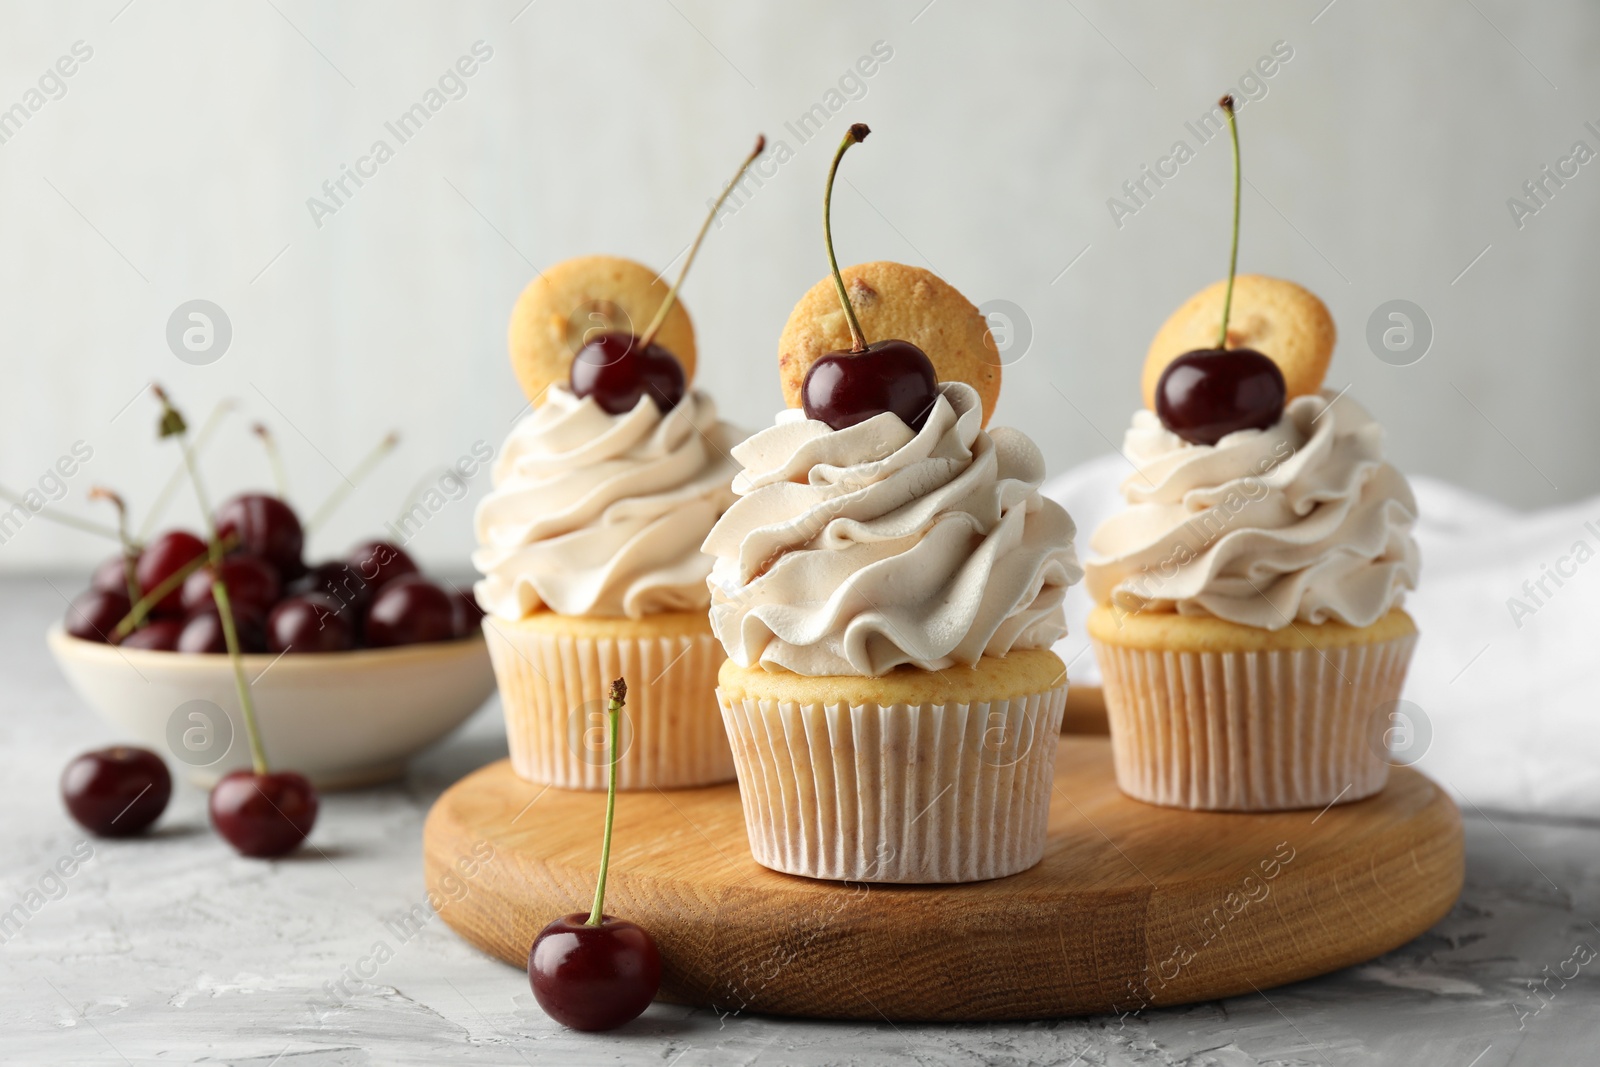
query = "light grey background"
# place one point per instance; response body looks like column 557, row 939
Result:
column 179, row 161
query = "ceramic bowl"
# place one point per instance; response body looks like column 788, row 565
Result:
column 343, row 719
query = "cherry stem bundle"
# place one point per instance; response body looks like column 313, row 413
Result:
column 619, row 697
column 1233, row 257
column 855, row 135
column 651, row 330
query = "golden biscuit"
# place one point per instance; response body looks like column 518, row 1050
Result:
column 576, row 296
column 1277, row 318
column 892, row 300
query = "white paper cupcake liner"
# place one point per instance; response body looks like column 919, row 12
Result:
column 1251, row 731
column 905, row 793
column 554, row 692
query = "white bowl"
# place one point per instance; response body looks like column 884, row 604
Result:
column 342, row 719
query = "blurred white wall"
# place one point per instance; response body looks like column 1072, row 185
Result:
column 176, row 161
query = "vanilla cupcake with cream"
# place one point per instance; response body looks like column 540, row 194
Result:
column 887, row 587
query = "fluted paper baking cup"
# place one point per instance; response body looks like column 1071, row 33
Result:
column 904, row 793
column 554, row 692
column 1251, row 731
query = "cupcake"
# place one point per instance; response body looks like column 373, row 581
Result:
column 887, row 587
column 589, row 542
column 1249, row 621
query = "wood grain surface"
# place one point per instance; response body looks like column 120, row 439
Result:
column 1132, row 906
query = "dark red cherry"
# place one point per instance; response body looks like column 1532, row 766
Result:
column 377, row 563
column 409, row 611
column 466, row 618
column 614, row 370
column 110, row 577
column 267, row 527
column 338, row 581
column 164, row 557
column 156, row 635
column 250, row 581
column 1205, row 395
column 844, row 388
column 202, row 632
column 593, row 977
column 94, row 614
column 263, row 815
column 117, row 791
column 310, row 622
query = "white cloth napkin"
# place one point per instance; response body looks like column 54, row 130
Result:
column 1505, row 698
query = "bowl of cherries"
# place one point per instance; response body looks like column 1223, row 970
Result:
column 354, row 664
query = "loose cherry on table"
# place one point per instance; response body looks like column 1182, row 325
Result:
column 618, row 369
column 410, row 611
column 310, row 622
column 267, row 527
column 844, row 388
column 263, row 815
column 94, row 614
column 251, row 582
column 595, row 971
column 117, row 791
column 163, row 557
column 1204, row 395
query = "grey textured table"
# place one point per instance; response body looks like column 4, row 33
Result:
column 173, row 950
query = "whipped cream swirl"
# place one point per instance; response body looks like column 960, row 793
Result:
column 601, row 514
column 855, row 551
column 1301, row 522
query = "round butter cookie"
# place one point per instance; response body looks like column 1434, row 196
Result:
column 1277, row 318
column 566, row 303
column 892, row 300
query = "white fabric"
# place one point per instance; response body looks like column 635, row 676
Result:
column 1510, row 702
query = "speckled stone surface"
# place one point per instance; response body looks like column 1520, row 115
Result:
column 173, row 950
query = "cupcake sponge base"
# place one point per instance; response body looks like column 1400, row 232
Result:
column 916, row 776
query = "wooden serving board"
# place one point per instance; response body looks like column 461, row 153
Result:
column 1132, row 906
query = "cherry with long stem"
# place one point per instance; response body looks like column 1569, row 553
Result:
column 596, row 972
column 617, row 369
column 1205, row 395
column 261, row 814
column 845, row 387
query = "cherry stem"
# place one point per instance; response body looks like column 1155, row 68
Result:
column 280, row 481
column 97, row 492
column 86, row 525
column 672, row 294
column 619, row 696
column 855, row 135
column 164, row 497
column 342, row 491
column 146, row 604
column 1233, row 257
column 172, row 425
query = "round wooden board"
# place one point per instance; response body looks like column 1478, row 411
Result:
column 1132, row 906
